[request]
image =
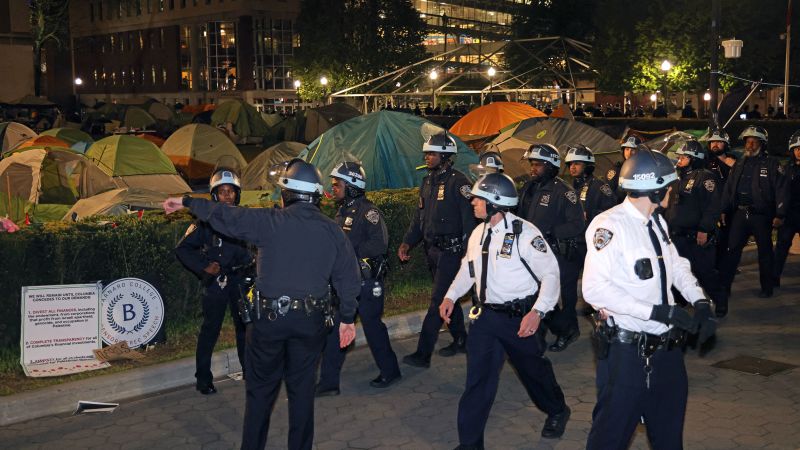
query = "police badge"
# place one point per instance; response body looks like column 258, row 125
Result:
column 466, row 191
column 571, row 196
column 602, row 237
column 348, row 221
column 373, row 216
column 545, row 200
column 610, row 174
column 709, row 185
column 606, row 190
column 539, row 244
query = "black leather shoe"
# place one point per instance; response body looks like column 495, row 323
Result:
column 458, row 346
column 563, row 341
column 326, row 392
column 381, row 382
column 417, row 359
column 721, row 311
column 206, row 388
column 765, row 294
column 555, row 424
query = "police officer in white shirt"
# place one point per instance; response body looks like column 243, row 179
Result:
column 628, row 273
column 516, row 275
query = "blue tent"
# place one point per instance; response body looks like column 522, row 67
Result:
column 389, row 146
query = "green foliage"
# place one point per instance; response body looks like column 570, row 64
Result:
column 49, row 22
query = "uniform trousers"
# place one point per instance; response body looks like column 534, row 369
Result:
column 564, row 319
column 742, row 227
column 623, row 397
column 444, row 265
column 492, row 336
column 702, row 260
column 214, row 306
column 785, row 236
column 286, row 348
column 370, row 309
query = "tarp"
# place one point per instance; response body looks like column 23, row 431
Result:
column 42, row 141
column 320, row 120
column 69, row 135
column 244, row 118
column 12, row 133
column 195, row 150
column 255, row 177
column 47, row 176
column 515, row 140
column 138, row 162
column 116, row 202
column 389, row 146
column 138, row 118
column 489, row 119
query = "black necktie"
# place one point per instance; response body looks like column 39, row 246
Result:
column 485, row 264
column 661, row 266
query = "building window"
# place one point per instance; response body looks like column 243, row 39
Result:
column 171, row 4
column 272, row 50
column 161, row 38
column 138, row 7
column 160, row 5
column 91, row 12
column 149, row 6
column 100, row 11
column 164, row 74
column 153, row 73
column 95, row 77
column 221, row 56
column 122, row 77
column 112, row 44
column 186, row 57
column 141, row 40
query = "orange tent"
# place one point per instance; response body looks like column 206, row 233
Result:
column 562, row 112
column 152, row 138
column 196, row 109
column 42, row 141
column 489, row 119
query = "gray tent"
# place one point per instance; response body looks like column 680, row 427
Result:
column 116, row 202
column 254, row 177
column 320, row 120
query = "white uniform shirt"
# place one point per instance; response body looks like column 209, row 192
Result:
column 616, row 239
column 507, row 278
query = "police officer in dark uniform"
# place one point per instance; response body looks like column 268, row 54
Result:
column 720, row 162
column 791, row 226
column 442, row 223
column 627, row 149
column 300, row 251
column 219, row 261
column 490, row 162
column 629, row 268
column 753, row 203
column 363, row 224
column 595, row 194
column 552, row 205
column 692, row 216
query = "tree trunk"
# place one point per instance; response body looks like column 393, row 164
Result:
column 37, row 71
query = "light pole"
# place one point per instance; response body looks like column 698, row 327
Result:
column 707, row 98
column 433, row 76
column 491, row 73
column 297, row 94
column 324, row 82
column 654, row 99
column 665, row 67
column 78, row 84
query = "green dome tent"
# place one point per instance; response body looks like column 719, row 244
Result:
column 137, row 163
column 254, row 177
column 389, row 146
column 138, row 118
column 196, row 149
column 71, row 136
column 244, row 119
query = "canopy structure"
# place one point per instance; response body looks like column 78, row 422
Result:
column 197, row 148
column 244, row 119
column 45, row 181
column 137, row 163
column 516, row 139
column 320, row 120
column 12, row 133
column 255, row 176
column 116, row 202
column 389, row 146
column 69, row 135
column 489, row 119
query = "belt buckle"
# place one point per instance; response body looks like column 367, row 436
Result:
column 284, row 303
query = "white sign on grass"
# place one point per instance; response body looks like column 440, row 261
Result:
column 60, row 328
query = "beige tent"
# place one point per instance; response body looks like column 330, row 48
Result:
column 13, row 133
column 254, row 178
column 322, row 119
column 116, row 202
column 197, row 148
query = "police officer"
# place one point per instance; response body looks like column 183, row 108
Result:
column 629, row 268
column 300, row 251
column 627, row 149
column 595, row 194
column 721, row 159
column 516, row 275
column 490, row 161
column 753, row 202
column 692, row 217
column 791, row 226
column 219, row 261
column 552, row 205
column 363, row 224
column 442, row 223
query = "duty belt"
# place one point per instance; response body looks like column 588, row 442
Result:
column 649, row 343
column 515, row 308
column 280, row 306
column 449, row 243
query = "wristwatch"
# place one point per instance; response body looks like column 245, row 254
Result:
column 541, row 314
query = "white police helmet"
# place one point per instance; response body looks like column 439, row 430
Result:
column 351, row 173
column 496, row 188
column 543, row 152
column 441, row 142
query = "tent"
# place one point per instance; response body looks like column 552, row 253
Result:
column 138, row 118
column 489, row 119
column 151, row 138
column 387, row 143
column 516, row 139
column 12, row 133
column 254, row 177
column 195, row 150
column 69, row 135
column 45, row 181
column 244, row 119
column 116, row 202
column 42, row 141
column 30, row 100
column 137, row 163
column 320, row 120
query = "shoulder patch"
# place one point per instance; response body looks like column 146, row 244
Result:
column 373, row 216
column 465, row 191
column 190, row 230
column 602, row 237
column 571, row 196
column 611, row 173
column 710, row 185
column 539, row 244
column 606, row 190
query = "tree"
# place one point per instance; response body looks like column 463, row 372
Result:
column 353, row 41
column 49, row 24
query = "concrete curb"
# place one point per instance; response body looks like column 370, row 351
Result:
column 63, row 398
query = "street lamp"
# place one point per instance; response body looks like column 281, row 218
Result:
column 433, row 76
column 78, row 84
column 491, row 73
column 297, row 93
column 324, row 82
column 665, row 67
column 654, row 99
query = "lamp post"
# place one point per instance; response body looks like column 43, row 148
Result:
column 433, row 76
column 707, row 99
column 297, row 94
column 491, row 73
column 665, row 67
column 78, row 84
column 324, row 82
column 654, row 99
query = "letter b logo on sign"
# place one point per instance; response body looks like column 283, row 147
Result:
column 132, row 311
column 127, row 312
